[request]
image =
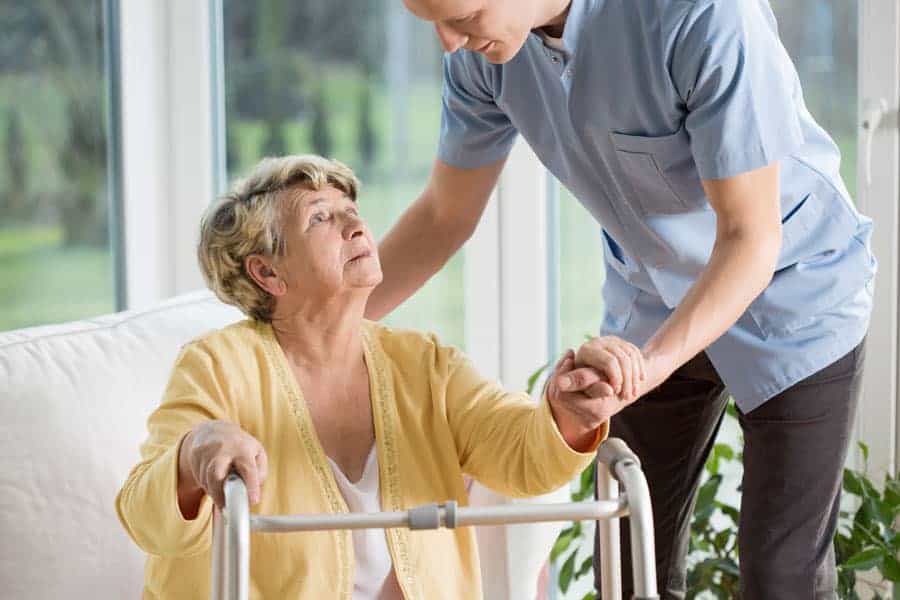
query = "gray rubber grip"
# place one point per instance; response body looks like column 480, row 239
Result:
column 450, row 514
column 614, row 450
column 425, row 517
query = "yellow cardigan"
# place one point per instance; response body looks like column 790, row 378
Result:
column 435, row 419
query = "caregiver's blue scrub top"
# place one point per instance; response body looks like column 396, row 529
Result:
column 643, row 100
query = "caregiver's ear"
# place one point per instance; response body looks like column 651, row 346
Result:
column 263, row 273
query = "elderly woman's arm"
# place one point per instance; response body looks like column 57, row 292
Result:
column 505, row 440
column 148, row 503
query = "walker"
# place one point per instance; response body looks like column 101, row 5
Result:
column 616, row 464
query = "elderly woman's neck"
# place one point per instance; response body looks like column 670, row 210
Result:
column 320, row 338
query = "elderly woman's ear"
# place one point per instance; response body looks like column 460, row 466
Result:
column 264, row 275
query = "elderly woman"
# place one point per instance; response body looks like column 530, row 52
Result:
column 320, row 411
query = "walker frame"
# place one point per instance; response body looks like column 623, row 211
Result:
column 616, row 465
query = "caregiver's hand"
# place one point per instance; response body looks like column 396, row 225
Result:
column 208, row 453
column 620, row 363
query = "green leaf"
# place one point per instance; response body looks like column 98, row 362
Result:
column 865, row 451
column 586, row 566
column 731, row 409
column 868, row 487
column 585, row 484
column 562, row 543
column 891, row 568
column 730, row 511
column 875, row 515
column 892, row 491
column 724, row 451
column 722, row 538
column 590, row 596
column 534, row 377
column 565, row 574
column 726, row 565
column 707, row 494
column 852, row 483
column 846, row 582
column 865, row 560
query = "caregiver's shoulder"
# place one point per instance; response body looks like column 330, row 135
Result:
column 673, row 16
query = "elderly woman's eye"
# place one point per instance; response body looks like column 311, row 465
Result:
column 318, row 217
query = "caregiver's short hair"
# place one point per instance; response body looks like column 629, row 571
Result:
column 249, row 220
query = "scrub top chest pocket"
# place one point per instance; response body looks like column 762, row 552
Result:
column 657, row 174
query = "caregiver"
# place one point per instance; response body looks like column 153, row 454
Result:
column 734, row 255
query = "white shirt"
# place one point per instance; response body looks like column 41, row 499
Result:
column 553, row 42
column 374, row 578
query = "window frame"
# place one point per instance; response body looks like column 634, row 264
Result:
column 878, row 422
column 169, row 141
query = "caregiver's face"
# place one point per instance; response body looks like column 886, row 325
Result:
column 330, row 249
column 495, row 28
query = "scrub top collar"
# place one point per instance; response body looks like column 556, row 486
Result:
column 575, row 19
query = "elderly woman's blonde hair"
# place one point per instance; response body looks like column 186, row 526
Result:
column 249, row 219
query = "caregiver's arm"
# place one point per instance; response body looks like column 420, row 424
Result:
column 748, row 242
column 430, row 231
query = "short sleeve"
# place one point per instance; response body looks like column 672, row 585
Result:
column 738, row 85
column 474, row 131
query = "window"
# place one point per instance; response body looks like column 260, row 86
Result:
column 359, row 82
column 581, row 272
column 822, row 38
column 56, row 163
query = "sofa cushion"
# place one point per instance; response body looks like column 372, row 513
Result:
column 74, row 399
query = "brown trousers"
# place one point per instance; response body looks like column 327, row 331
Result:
column 794, row 450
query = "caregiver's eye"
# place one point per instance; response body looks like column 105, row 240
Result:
column 352, row 210
column 466, row 19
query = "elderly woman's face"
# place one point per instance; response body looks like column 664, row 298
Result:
column 329, row 247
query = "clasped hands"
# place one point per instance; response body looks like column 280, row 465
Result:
column 588, row 387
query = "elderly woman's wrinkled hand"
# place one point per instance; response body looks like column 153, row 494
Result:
column 213, row 449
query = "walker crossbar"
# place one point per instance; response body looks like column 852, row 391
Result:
column 232, row 527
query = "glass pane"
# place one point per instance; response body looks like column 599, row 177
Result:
column 822, row 38
column 55, row 257
column 357, row 81
column 580, row 272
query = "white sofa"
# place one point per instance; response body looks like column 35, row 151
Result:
column 74, row 399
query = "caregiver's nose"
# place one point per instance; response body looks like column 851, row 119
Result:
column 451, row 40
